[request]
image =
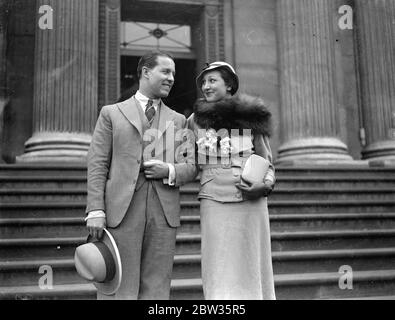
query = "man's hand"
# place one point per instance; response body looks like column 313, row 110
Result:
column 256, row 190
column 156, row 170
column 96, row 226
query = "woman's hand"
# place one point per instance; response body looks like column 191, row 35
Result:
column 256, row 190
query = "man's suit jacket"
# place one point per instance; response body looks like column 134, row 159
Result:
column 115, row 154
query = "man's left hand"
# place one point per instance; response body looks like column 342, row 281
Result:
column 256, row 190
column 157, row 170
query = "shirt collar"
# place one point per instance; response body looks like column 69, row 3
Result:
column 144, row 100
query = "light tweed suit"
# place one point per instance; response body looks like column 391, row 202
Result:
column 141, row 214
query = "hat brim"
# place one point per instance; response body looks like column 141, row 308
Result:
column 199, row 78
column 112, row 286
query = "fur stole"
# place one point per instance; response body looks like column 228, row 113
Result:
column 237, row 112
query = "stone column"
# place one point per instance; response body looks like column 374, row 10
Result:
column 66, row 82
column 309, row 110
column 109, row 52
column 3, row 61
column 375, row 32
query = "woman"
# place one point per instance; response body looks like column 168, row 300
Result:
column 236, row 248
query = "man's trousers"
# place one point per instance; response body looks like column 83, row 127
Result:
column 147, row 246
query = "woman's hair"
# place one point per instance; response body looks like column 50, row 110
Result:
column 228, row 77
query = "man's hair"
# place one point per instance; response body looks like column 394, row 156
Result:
column 150, row 60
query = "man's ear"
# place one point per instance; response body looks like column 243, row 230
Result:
column 145, row 72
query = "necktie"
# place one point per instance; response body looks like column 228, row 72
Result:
column 150, row 111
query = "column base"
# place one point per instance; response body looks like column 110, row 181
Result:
column 313, row 150
column 380, row 151
column 56, row 147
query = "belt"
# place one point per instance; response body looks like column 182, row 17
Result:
column 218, row 165
column 234, row 162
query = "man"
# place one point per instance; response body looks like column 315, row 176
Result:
column 134, row 196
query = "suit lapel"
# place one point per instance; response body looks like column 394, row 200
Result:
column 165, row 118
column 129, row 109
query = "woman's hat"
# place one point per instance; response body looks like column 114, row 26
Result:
column 100, row 263
column 216, row 65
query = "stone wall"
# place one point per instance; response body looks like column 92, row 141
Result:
column 255, row 53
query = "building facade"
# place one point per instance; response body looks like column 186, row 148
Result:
column 326, row 69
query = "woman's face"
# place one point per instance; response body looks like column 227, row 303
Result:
column 214, row 87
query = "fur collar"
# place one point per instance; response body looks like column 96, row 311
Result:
column 237, row 112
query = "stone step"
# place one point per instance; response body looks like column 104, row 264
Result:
column 187, row 266
column 326, row 285
column 36, row 227
column 327, row 206
column 190, row 194
column 352, row 169
column 14, row 248
column 54, row 221
column 190, row 243
column 332, row 239
column 51, row 182
column 29, row 272
column 362, row 193
column 70, row 179
column 312, row 206
column 75, row 226
column 186, row 289
column 44, row 210
column 366, row 285
column 308, row 240
column 307, row 286
column 288, row 262
column 39, row 248
column 338, row 181
column 311, row 221
column 331, row 221
column 42, row 195
column 59, row 292
column 316, row 261
column 43, row 169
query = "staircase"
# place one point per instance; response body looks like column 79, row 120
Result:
column 322, row 218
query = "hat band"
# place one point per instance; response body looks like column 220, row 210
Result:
column 108, row 259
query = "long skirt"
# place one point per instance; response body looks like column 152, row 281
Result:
column 236, row 250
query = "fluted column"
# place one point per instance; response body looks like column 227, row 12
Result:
column 66, row 82
column 109, row 52
column 309, row 112
column 375, row 33
column 3, row 59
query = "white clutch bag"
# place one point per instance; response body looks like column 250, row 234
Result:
column 255, row 169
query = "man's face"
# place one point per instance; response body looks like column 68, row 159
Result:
column 161, row 77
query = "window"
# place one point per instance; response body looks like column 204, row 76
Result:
column 150, row 36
